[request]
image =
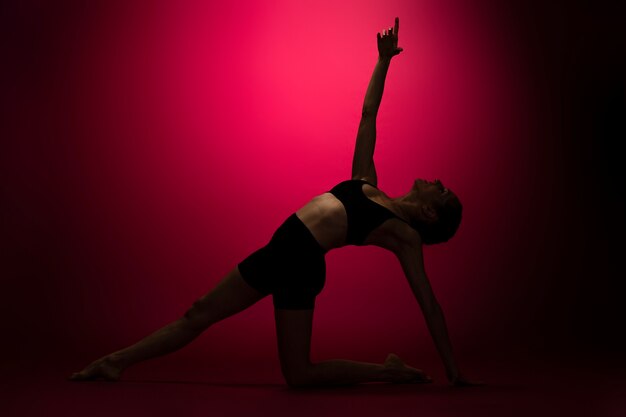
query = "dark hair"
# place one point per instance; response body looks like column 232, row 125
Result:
column 449, row 213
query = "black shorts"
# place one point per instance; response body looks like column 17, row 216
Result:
column 291, row 267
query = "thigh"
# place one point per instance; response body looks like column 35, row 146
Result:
column 300, row 283
column 293, row 332
column 230, row 296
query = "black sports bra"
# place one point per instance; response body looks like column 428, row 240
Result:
column 364, row 215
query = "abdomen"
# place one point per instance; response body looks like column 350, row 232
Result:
column 325, row 217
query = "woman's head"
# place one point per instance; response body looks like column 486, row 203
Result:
column 437, row 211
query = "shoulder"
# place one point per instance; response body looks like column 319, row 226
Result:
column 407, row 237
column 396, row 236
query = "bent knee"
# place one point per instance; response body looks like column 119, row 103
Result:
column 297, row 382
column 298, row 377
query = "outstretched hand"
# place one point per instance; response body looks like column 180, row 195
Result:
column 388, row 41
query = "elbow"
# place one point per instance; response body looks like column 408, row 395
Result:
column 368, row 112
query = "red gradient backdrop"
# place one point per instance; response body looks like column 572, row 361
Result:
column 153, row 145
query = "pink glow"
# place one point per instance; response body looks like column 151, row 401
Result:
column 206, row 125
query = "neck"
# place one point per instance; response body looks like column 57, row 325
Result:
column 404, row 205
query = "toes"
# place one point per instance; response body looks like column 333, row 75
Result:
column 425, row 378
column 394, row 359
column 421, row 377
column 78, row 376
column 91, row 373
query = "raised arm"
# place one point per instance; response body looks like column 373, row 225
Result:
column 363, row 160
column 411, row 259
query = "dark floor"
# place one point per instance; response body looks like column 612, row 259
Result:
column 594, row 387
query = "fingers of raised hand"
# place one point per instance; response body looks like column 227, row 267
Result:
column 387, row 32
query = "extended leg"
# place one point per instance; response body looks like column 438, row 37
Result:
column 293, row 330
column 229, row 297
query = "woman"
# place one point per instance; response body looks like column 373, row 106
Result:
column 291, row 266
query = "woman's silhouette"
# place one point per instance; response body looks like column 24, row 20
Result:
column 291, row 266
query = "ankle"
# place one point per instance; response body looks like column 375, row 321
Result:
column 117, row 360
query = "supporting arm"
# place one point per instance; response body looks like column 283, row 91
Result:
column 411, row 260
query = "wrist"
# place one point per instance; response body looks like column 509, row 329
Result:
column 384, row 59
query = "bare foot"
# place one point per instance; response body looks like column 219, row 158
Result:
column 106, row 368
column 401, row 373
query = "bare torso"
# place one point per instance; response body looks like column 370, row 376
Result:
column 326, row 218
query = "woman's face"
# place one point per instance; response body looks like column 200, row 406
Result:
column 429, row 191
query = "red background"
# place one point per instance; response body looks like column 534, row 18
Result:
column 150, row 146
